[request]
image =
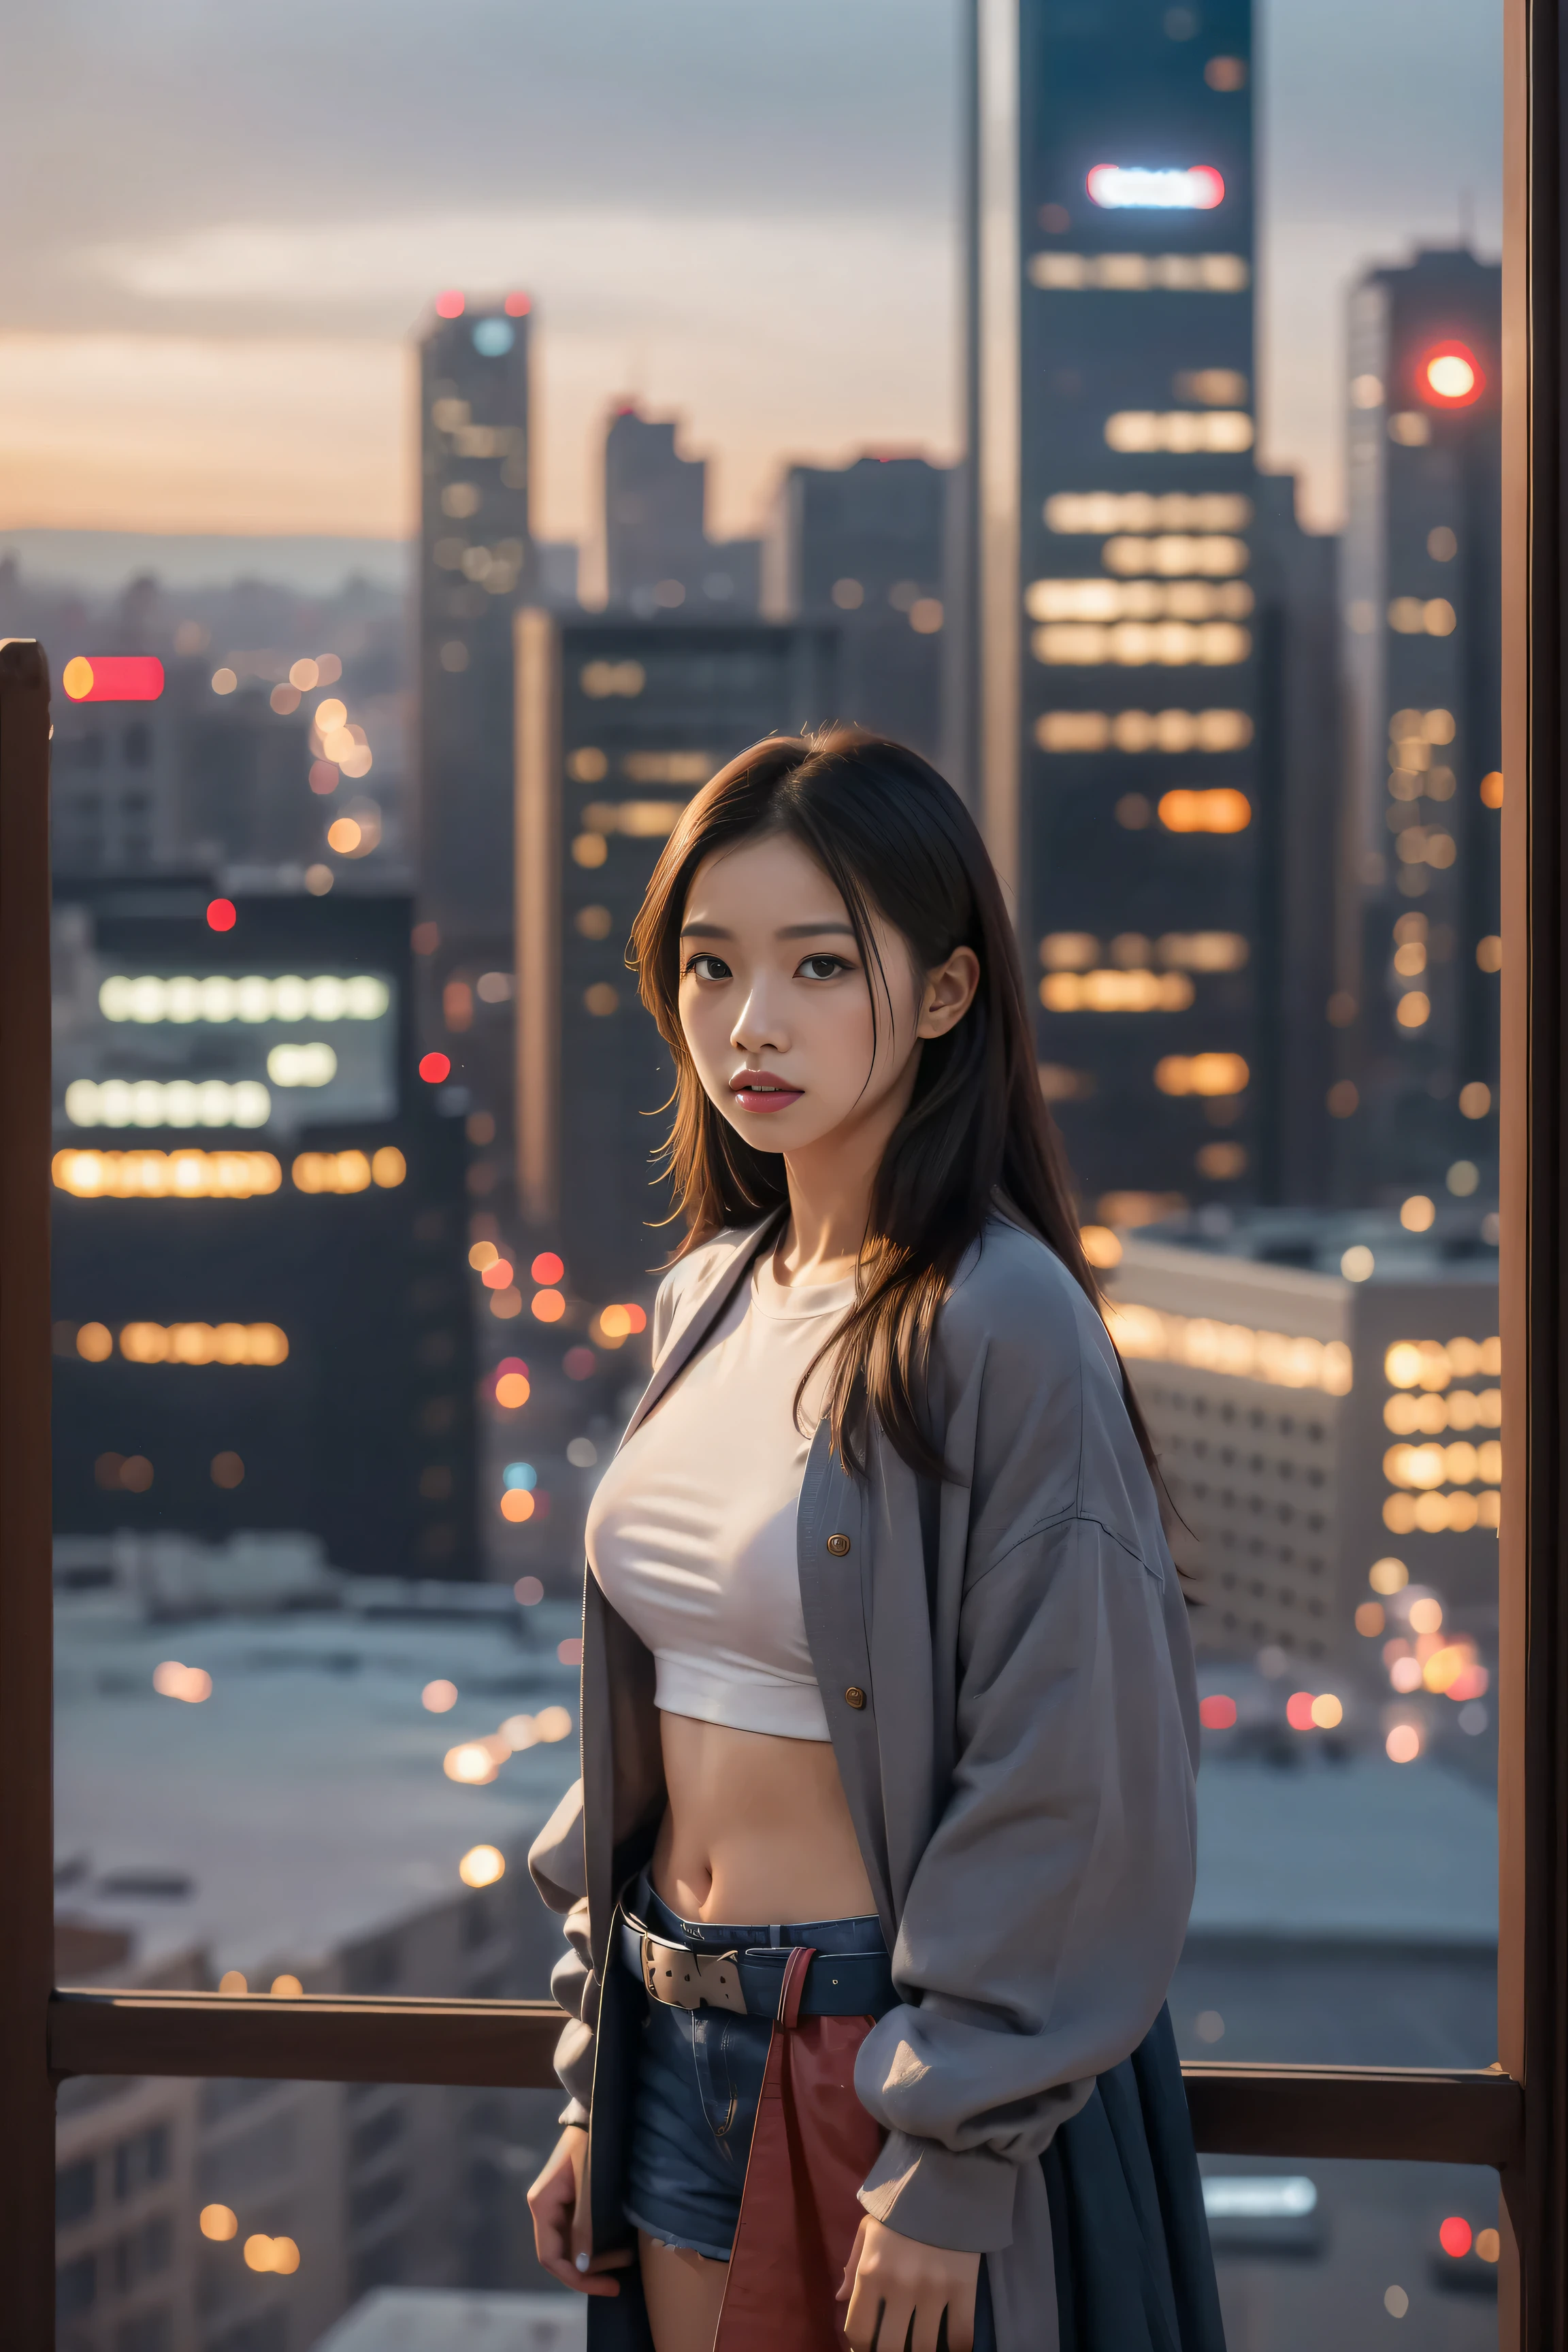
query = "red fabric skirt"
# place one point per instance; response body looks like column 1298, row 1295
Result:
column 812, row 2146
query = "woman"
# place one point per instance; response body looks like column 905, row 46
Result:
column 883, row 1851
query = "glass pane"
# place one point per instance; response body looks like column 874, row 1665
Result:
column 370, row 728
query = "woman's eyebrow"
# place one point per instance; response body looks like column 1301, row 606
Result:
column 813, row 930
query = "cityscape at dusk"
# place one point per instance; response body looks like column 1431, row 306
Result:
column 427, row 455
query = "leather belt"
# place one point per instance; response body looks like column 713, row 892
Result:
column 751, row 1981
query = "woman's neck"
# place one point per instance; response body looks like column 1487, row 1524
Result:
column 829, row 1208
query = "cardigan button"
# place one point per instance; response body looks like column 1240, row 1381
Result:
column 839, row 1546
column 855, row 1696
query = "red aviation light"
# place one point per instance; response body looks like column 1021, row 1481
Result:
column 1450, row 376
column 113, row 678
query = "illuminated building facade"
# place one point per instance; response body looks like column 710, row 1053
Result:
column 620, row 723
column 865, row 546
column 259, row 1229
column 184, row 776
column 1419, row 990
column 476, row 563
column 1323, row 1391
column 658, row 557
column 1117, row 621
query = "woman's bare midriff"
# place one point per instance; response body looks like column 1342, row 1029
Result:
column 758, row 1829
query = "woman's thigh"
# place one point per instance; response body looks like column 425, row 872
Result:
column 683, row 2292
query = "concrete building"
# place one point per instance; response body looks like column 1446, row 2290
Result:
column 284, row 1820
column 621, row 722
column 233, row 727
column 659, row 556
column 425, row 2319
column 1299, row 1371
column 190, row 777
column 259, row 1228
column 864, row 546
column 1423, row 650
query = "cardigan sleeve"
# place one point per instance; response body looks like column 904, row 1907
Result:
column 555, row 1862
column 1046, row 1916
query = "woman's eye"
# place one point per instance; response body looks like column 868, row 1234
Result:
column 822, row 967
column 708, row 967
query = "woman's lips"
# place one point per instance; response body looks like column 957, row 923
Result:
column 758, row 1092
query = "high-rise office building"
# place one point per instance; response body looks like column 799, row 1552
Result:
column 1114, row 617
column 658, row 557
column 1301, row 747
column 1417, row 1087
column 476, row 562
column 620, row 722
column 865, row 546
column 259, row 1229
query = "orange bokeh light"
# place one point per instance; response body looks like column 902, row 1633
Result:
column 548, row 1306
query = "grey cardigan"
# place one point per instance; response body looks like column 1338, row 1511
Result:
column 1020, row 1772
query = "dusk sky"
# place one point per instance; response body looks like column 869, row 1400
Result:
column 224, row 222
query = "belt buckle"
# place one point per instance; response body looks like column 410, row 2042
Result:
column 690, row 1980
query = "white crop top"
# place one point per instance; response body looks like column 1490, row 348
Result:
column 692, row 1531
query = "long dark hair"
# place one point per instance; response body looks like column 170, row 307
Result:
column 890, row 834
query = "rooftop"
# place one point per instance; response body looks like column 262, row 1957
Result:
column 1344, row 1847
column 303, row 1804
column 434, row 2320
column 1461, row 1244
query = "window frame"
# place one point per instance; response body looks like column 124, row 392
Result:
column 1512, row 2116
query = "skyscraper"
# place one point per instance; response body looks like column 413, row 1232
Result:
column 865, row 546
column 1417, row 1090
column 476, row 561
column 1300, row 748
column 262, row 1313
column 1121, row 784
column 620, row 722
column 659, row 556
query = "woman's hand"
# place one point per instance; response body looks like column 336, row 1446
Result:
column 896, row 2285
column 561, row 2226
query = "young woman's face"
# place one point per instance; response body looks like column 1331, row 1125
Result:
column 775, row 1004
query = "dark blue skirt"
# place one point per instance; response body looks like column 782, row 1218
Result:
column 1135, row 2272
column 1131, row 2243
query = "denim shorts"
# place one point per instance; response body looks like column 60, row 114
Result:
column 700, row 2078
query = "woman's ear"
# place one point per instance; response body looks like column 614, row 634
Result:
column 949, row 992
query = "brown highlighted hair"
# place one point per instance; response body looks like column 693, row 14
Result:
column 893, row 837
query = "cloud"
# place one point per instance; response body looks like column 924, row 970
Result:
column 745, row 212
column 772, row 337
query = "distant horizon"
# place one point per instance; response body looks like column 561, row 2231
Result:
column 103, row 562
